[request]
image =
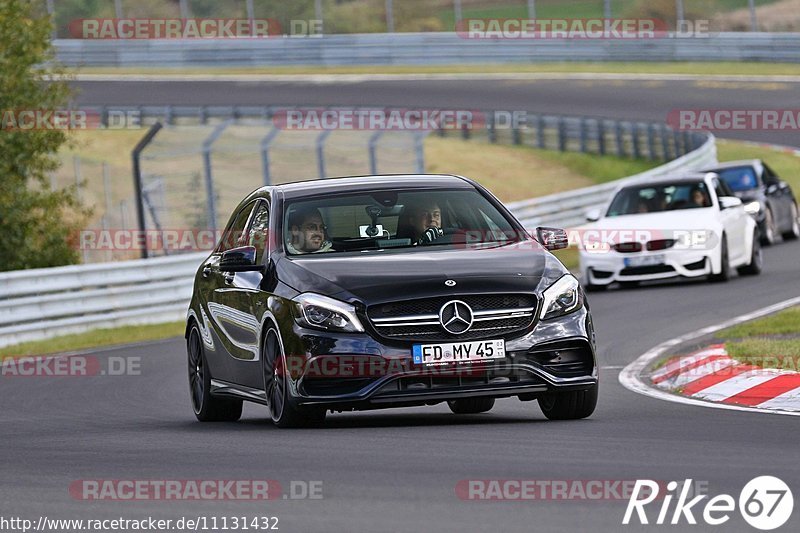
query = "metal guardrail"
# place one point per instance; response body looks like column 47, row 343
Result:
column 421, row 49
column 42, row 303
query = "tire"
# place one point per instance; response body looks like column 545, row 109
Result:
column 282, row 410
column 207, row 408
column 768, row 237
column 725, row 272
column 471, row 406
column 794, row 232
column 571, row 405
column 756, row 260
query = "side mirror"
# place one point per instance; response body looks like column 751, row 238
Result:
column 242, row 259
column 593, row 215
column 727, row 202
column 552, row 238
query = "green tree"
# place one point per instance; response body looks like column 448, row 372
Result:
column 38, row 225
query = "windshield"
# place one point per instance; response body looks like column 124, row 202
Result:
column 410, row 219
column 656, row 198
column 739, row 178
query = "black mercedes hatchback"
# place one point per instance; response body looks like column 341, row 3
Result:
column 385, row 291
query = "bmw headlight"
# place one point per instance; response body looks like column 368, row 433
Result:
column 320, row 312
column 753, row 208
column 561, row 298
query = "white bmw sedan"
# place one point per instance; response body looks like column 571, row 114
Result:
column 688, row 226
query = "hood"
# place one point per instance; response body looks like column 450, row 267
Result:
column 680, row 219
column 377, row 277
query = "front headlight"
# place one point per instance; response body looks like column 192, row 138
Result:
column 561, row 298
column 320, row 312
column 753, row 208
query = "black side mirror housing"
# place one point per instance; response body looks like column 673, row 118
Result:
column 242, row 259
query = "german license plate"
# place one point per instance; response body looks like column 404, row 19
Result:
column 644, row 260
column 458, row 352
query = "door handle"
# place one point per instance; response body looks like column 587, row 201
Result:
column 206, row 271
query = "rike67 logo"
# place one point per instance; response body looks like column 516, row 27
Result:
column 765, row 503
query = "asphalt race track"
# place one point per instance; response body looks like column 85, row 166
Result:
column 398, row 470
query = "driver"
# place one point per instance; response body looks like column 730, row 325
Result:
column 699, row 197
column 423, row 222
column 307, row 232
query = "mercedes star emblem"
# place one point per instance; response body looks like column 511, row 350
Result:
column 455, row 317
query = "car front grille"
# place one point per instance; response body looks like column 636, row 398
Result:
column 495, row 315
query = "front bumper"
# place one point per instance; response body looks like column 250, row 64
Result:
column 609, row 267
column 357, row 372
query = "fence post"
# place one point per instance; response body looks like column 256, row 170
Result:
column 619, row 139
column 651, row 142
column 601, row 136
column 583, row 134
column 137, row 179
column 562, row 135
column 491, row 128
column 676, row 140
column 207, row 144
column 419, row 150
column 265, row 142
column 540, row 125
column 321, row 152
column 637, row 151
column 516, row 136
column 373, row 157
column 665, row 143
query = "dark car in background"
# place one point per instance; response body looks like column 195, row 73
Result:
column 385, row 291
column 766, row 197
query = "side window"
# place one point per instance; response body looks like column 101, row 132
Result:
column 234, row 233
column 258, row 234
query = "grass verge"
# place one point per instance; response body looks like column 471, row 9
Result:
column 769, row 342
column 95, row 339
column 689, row 68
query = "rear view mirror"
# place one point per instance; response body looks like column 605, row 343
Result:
column 552, row 238
column 593, row 215
column 242, row 259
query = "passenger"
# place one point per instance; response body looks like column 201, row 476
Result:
column 308, row 232
column 700, row 198
column 422, row 223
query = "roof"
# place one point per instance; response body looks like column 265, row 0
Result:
column 663, row 180
column 361, row 183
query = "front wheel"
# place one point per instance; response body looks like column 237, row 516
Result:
column 794, row 232
column 768, row 237
column 725, row 263
column 756, row 260
column 570, row 405
column 207, row 408
column 282, row 410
